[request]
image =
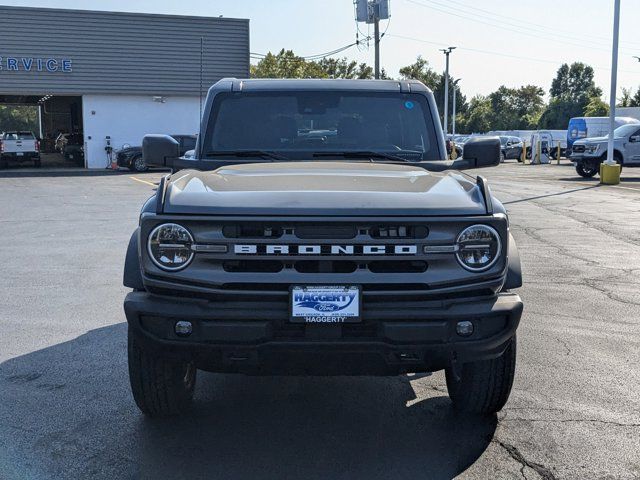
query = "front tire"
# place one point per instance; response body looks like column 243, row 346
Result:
column 161, row 386
column 587, row 170
column 139, row 165
column 484, row 386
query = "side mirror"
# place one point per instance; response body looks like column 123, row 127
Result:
column 160, row 150
column 634, row 138
column 479, row 152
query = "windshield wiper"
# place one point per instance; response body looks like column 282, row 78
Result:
column 246, row 153
column 362, row 154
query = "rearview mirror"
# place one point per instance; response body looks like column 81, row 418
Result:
column 479, row 152
column 160, row 150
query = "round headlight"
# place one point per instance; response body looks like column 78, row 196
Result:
column 478, row 247
column 169, row 246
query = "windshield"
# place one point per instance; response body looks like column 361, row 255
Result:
column 298, row 124
column 625, row 130
column 504, row 140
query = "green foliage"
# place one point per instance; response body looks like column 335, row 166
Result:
column 571, row 92
column 478, row 117
column 18, row 117
column 420, row 70
column 596, row 108
column 635, row 101
column 287, row 64
column 626, row 99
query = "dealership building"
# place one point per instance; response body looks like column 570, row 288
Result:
column 114, row 77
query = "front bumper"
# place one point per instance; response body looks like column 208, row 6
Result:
column 273, row 345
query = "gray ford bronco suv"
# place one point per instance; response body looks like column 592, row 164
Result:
column 317, row 230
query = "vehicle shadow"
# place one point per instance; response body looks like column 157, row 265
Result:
column 66, row 412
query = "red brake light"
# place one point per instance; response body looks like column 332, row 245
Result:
column 1, row 146
column 37, row 145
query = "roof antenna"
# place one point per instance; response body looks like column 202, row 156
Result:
column 200, row 140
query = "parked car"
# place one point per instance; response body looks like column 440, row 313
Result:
column 20, row 146
column 589, row 153
column 510, row 148
column 362, row 255
column 585, row 127
column 131, row 157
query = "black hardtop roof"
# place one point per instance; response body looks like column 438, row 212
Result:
column 312, row 84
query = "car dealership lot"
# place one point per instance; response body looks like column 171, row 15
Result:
column 66, row 410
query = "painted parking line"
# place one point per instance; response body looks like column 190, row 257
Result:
column 143, row 181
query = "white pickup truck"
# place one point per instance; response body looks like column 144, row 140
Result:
column 19, row 146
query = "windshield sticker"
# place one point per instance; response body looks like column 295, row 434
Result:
column 408, row 105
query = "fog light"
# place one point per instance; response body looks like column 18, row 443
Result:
column 464, row 328
column 183, row 328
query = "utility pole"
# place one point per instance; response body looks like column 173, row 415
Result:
column 453, row 119
column 371, row 12
column 445, row 120
column 609, row 169
column 376, row 35
column 614, row 82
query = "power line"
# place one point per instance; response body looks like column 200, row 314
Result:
column 499, row 54
column 553, row 30
column 506, row 25
column 317, row 56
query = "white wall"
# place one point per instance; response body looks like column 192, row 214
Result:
column 128, row 118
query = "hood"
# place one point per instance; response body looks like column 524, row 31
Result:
column 323, row 188
column 584, row 141
column 130, row 150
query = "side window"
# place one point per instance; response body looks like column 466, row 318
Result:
column 188, row 143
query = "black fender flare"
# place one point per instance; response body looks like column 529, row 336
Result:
column 132, row 277
column 514, row 268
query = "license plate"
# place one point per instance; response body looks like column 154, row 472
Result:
column 325, row 304
column 19, row 154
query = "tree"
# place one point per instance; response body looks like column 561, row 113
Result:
column 478, row 117
column 19, row 117
column 626, row 99
column 286, row 64
column 571, row 91
column 596, row 108
column 420, row 70
column 516, row 108
column 635, row 101
column 575, row 83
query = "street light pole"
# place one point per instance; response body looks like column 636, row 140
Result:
column 453, row 119
column 376, row 34
column 445, row 121
column 614, row 82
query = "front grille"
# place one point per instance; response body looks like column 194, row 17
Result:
column 384, row 256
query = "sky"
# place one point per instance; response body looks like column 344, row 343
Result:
column 499, row 42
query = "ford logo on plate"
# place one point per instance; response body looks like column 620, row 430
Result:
column 325, row 302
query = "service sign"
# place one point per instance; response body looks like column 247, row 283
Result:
column 10, row 63
column 325, row 304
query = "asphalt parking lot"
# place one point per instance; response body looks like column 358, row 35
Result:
column 66, row 410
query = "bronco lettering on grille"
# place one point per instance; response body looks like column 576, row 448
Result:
column 325, row 249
